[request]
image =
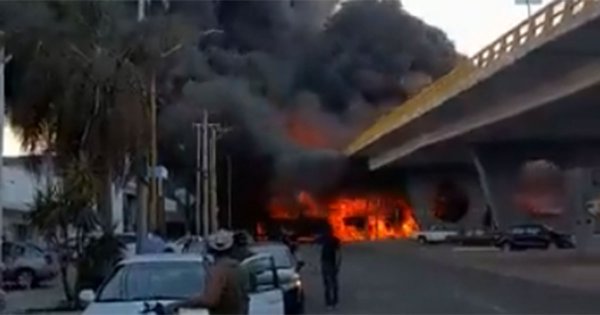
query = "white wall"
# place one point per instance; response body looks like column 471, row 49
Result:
column 20, row 186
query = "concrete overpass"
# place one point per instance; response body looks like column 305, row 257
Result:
column 531, row 94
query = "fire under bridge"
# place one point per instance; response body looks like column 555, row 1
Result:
column 531, row 94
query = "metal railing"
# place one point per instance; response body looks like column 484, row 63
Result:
column 532, row 31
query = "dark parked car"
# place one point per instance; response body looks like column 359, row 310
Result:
column 534, row 236
column 477, row 237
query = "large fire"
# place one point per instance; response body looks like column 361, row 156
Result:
column 353, row 218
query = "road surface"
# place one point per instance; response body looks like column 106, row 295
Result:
column 392, row 278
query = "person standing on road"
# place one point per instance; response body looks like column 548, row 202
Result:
column 330, row 266
column 224, row 292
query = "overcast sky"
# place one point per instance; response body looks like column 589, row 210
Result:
column 471, row 24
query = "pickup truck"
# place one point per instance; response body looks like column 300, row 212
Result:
column 435, row 234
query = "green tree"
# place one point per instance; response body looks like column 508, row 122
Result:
column 62, row 209
column 83, row 72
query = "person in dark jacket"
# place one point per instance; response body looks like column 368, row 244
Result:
column 330, row 266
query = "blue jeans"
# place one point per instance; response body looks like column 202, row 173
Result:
column 329, row 273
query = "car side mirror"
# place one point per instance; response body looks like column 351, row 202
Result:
column 299, row 265
column 87, row 296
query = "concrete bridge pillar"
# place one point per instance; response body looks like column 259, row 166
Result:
column 499, row 169
column 422, row 185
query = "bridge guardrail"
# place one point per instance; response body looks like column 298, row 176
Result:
column 543, row 23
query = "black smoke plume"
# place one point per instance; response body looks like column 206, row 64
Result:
column 330, row 67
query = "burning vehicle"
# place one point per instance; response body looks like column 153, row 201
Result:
column 353, row 218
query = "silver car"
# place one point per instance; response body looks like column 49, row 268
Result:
column 141, row 282
column 27, row 264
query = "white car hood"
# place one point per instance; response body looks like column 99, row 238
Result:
column 131, row 308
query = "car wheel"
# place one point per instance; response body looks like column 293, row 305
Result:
column 506, row 246
column 552, row 246
column 25, row 278
column 422, row 240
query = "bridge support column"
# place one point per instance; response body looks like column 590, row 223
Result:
column 499, row 168
column 422, row 186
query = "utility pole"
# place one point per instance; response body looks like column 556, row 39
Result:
column 207, row 203
column 154, row 220
column 205, row 181
column 141, row 188
column 2, row 101
column 229, row 195
column 214, row 205
column 199, row 199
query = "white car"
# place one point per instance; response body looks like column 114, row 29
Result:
column 436, row 234
column 141, row 282
column 288, row 271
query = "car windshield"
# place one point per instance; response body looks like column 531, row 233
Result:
column 154, row 280
column 281, row 254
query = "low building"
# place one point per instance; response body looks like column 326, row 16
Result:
column 20, row 184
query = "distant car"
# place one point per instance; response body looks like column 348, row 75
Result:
column 288, row 268
column 27, row 265
column 143, row 282
column 436, row 234
column 475, row 237
column 534, row 236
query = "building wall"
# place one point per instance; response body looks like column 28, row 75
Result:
column 18, row 190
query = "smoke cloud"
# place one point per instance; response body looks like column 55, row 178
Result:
column 302, row 78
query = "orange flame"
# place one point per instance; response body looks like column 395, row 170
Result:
column 355, row 218
column 306, row 134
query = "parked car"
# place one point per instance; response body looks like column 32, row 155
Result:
column 435, row 234
column 530, row 236
column 143, row 282
column 288, row 267
column 475, row 237
column 27, row 265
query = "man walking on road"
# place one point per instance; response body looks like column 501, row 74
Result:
column 330, row 266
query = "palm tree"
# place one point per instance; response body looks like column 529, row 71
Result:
column 83, row 84
column 64, row 206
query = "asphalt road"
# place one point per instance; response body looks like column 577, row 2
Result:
column 392, row 278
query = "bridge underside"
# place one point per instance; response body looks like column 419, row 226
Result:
column 549, row 94
column 565, row 125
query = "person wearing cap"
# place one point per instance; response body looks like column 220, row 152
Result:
column 224, row 292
